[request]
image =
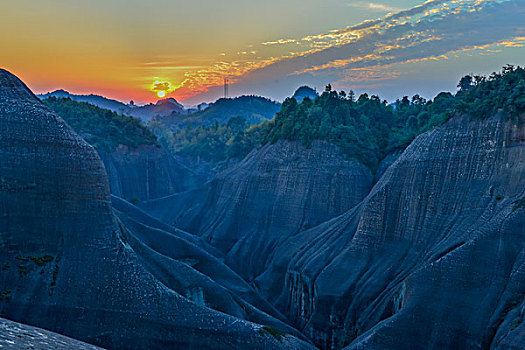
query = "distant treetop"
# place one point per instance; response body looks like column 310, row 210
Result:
column 303, row 92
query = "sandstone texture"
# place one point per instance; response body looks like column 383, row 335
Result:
column 68, row 263
column 433, row 257
column 146, row 173
column 14, row 335
column 274, row 193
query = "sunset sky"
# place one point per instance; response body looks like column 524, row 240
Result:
column 131, row 49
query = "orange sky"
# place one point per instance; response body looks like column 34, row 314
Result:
column 130, row 49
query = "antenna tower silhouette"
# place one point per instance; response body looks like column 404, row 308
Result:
column 226, row 83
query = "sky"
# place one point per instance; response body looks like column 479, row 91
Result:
column 144, row 50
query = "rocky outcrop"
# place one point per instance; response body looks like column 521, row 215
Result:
column 69, row 264
column 274, row 193
column 433, row 257
column 192, row 268
column 14, row 335
column 146, row 173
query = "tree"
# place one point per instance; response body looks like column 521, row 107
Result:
column 351, row 95
column 465, row 83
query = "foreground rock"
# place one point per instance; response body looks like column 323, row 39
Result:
column 66, row 261
column 433, row 258
column 14, row 335
column 274, row 193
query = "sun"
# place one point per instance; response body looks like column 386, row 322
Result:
column 161, row 94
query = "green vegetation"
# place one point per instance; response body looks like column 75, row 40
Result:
column 254, row 109
column 101, row 128
column 5, row 295
column 218, row 132
column 215, row 143
column 274, row 332
column 367, row 129
column 133, row 200
column 517, row 204
column 55, row 275
column 515, row 323
column 41, row 260
column 484, row 96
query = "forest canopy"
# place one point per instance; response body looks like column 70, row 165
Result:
column 101, row 128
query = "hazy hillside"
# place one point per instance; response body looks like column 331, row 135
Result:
column 147, row 112
column 95, row 100
column 138, row 167
column 102, row 128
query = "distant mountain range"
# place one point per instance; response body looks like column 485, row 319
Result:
column 147, row 112
column 255, row 109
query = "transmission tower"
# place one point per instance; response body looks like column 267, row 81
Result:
column 226, row 82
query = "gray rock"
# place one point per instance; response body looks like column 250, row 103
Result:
column 146, row 173
column 433, row 257
column 66, row 262
column 15, row 335
column 274, row 193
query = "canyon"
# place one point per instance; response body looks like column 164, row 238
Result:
column 292, row 247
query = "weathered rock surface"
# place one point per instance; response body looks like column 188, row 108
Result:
column 189, row 266
column 433, row 258
column 14, row 335
column 146, row 173
column 275, row 192
column 66, row 261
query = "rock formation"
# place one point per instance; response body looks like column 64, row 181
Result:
column 274, row 193
column 68, row 263
column 433, row 257
column 146, row 173
column 293, row 243
column 14, row 335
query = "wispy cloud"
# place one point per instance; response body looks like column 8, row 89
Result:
column 280, row 41
column 373, row 6
column 426, row 32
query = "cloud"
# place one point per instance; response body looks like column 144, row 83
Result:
column 426, row 32
column 373, row 6
column 280, row 42
column 162, row 86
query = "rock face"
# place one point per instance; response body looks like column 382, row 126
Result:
column 433, row 258
column 146, row 173
column 274, row 193
column 68, row 263
column 15, row 335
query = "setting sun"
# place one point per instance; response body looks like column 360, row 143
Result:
column 161, row 94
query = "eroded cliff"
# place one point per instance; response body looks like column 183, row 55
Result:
column 274, row 193
column 69, row 264
column 146, row 173
column 432, row 258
